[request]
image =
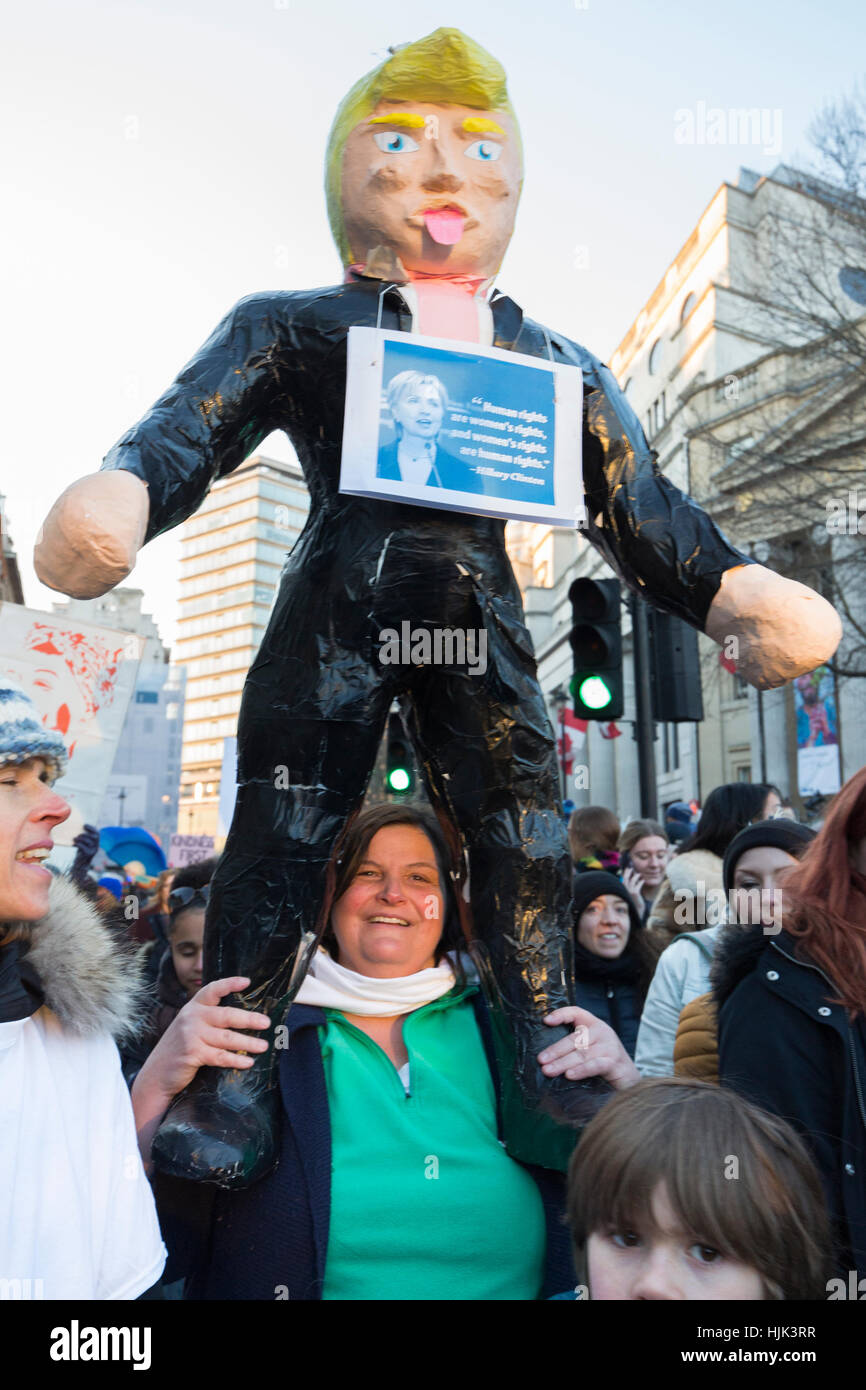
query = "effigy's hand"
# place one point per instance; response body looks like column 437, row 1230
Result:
column 204, row 1034
column 773, row 628
column 593, row 1049
column 89, row 540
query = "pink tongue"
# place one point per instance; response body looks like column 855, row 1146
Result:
column 445, row 225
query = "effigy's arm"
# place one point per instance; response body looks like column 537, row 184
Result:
column 666, row 548
column 656, row 538
column 212, row 417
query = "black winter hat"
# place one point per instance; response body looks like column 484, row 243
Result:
column 592, row 885
column 780, row 832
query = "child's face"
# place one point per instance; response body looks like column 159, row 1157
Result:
column 187, row 935
column 665, row 1261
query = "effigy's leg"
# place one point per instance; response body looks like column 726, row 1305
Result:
column 310, row 724
column 490, row 761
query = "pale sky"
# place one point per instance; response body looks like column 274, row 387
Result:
column 163, row 159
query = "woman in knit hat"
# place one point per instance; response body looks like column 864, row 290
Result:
column 754, row 865
column 80, row 1218
column 82, row 1222
column 612, row 964
column 697, row 867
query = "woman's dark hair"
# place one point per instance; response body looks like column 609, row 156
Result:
column 196, row 875
column 191, row 876
column 728, row 810
column 351, row 850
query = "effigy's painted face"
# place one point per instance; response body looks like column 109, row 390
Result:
column 438, row 185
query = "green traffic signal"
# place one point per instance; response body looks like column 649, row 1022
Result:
column 399, row 779
column 597, row 684
column 594, row 692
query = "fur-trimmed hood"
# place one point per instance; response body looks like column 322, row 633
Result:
column 90, row 980
column 738, row 950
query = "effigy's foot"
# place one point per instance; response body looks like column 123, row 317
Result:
column 223, row 1129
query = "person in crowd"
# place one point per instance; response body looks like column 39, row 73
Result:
column 644, row 853
column 696, row 870
column 754, row 867
column 392, row 1182
column 86, row 844
column 612, row 963
column 679, row 822
column 593, row 832
column 180, row 972
column 151, row 926
column 655, row 1212
column 82, row 1221
column 792, row 1013
column 109, row 893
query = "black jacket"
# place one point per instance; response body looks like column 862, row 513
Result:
column 278, row 361
column 784, row 1045
column 246, row 1244
column 612, row 990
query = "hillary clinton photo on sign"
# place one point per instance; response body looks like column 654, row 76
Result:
column 418, row 404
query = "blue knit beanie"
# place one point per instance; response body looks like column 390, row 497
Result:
column 22, row 734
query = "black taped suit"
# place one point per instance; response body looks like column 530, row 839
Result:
column 317, row 696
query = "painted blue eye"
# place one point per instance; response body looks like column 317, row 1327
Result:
column 486, row 150
column 392, row 142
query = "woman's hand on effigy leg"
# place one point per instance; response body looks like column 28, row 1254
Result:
column 204, row 1034
column 593, row 1049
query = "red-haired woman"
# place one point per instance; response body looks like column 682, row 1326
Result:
column 792, row 1013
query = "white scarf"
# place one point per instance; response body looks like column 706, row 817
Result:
column 329, row 985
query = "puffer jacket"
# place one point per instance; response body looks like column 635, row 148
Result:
column 682, row 974
column 696, row 1049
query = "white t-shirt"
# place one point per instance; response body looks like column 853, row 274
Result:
column 77, row 1217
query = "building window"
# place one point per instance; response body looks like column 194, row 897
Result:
column 852, row 278
column 655, row 357
column 670, row 747
column 741, row 688
column 627, row 387
column 147, row 697
column 688, row 304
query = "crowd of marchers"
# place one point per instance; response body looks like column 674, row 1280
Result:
column 726, row 1158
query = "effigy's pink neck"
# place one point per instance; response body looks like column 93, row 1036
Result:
column 447, row 305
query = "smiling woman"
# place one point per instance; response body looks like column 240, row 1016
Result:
column 63, row 991
column 386, row 1072
column 612, row 963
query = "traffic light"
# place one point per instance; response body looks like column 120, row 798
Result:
column 596, row 642
column 400, row 764
column 675, row 669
